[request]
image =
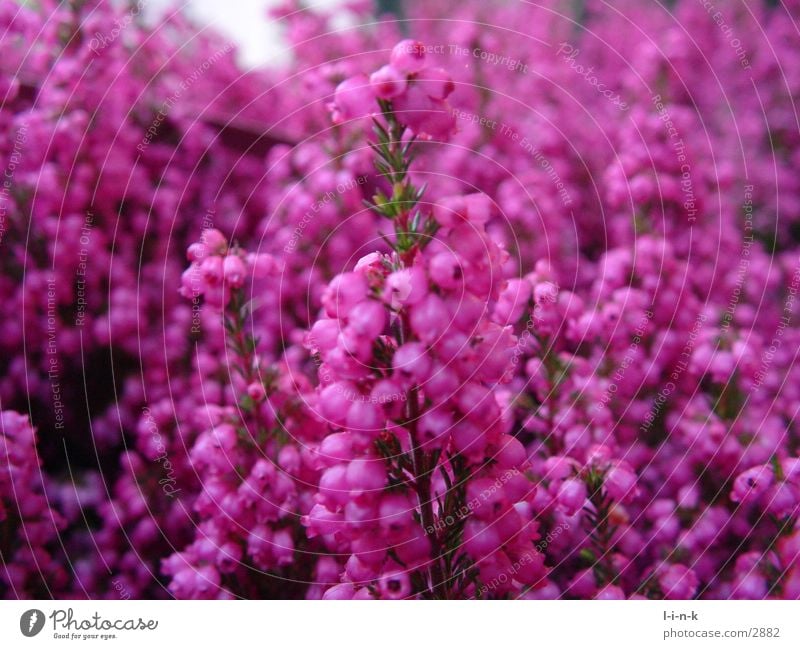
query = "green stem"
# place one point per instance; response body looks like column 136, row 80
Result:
column 601, row 532
column 393, row 161
column 244, row 347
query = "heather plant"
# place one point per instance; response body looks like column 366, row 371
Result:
column 502, row 305
column 422, row 484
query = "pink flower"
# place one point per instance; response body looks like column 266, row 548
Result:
column 388, row 82
column 214, row 241
column 233, row 269
column 408, row 56
column 610, row 592
column 750, row 485
column 436, row 83
column 354, row 98
column 620, row 483
column 427, row 118
column 678, row 582
column 394, row 585
column 571, row 495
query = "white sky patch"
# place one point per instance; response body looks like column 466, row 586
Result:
column 259, row 37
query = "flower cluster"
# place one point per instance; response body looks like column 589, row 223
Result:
column 417, row 93
column 449, row 327
column 217, row 270
column 410, row 364
column 29, row 526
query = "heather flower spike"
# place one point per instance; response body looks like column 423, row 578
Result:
column 481, row 314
